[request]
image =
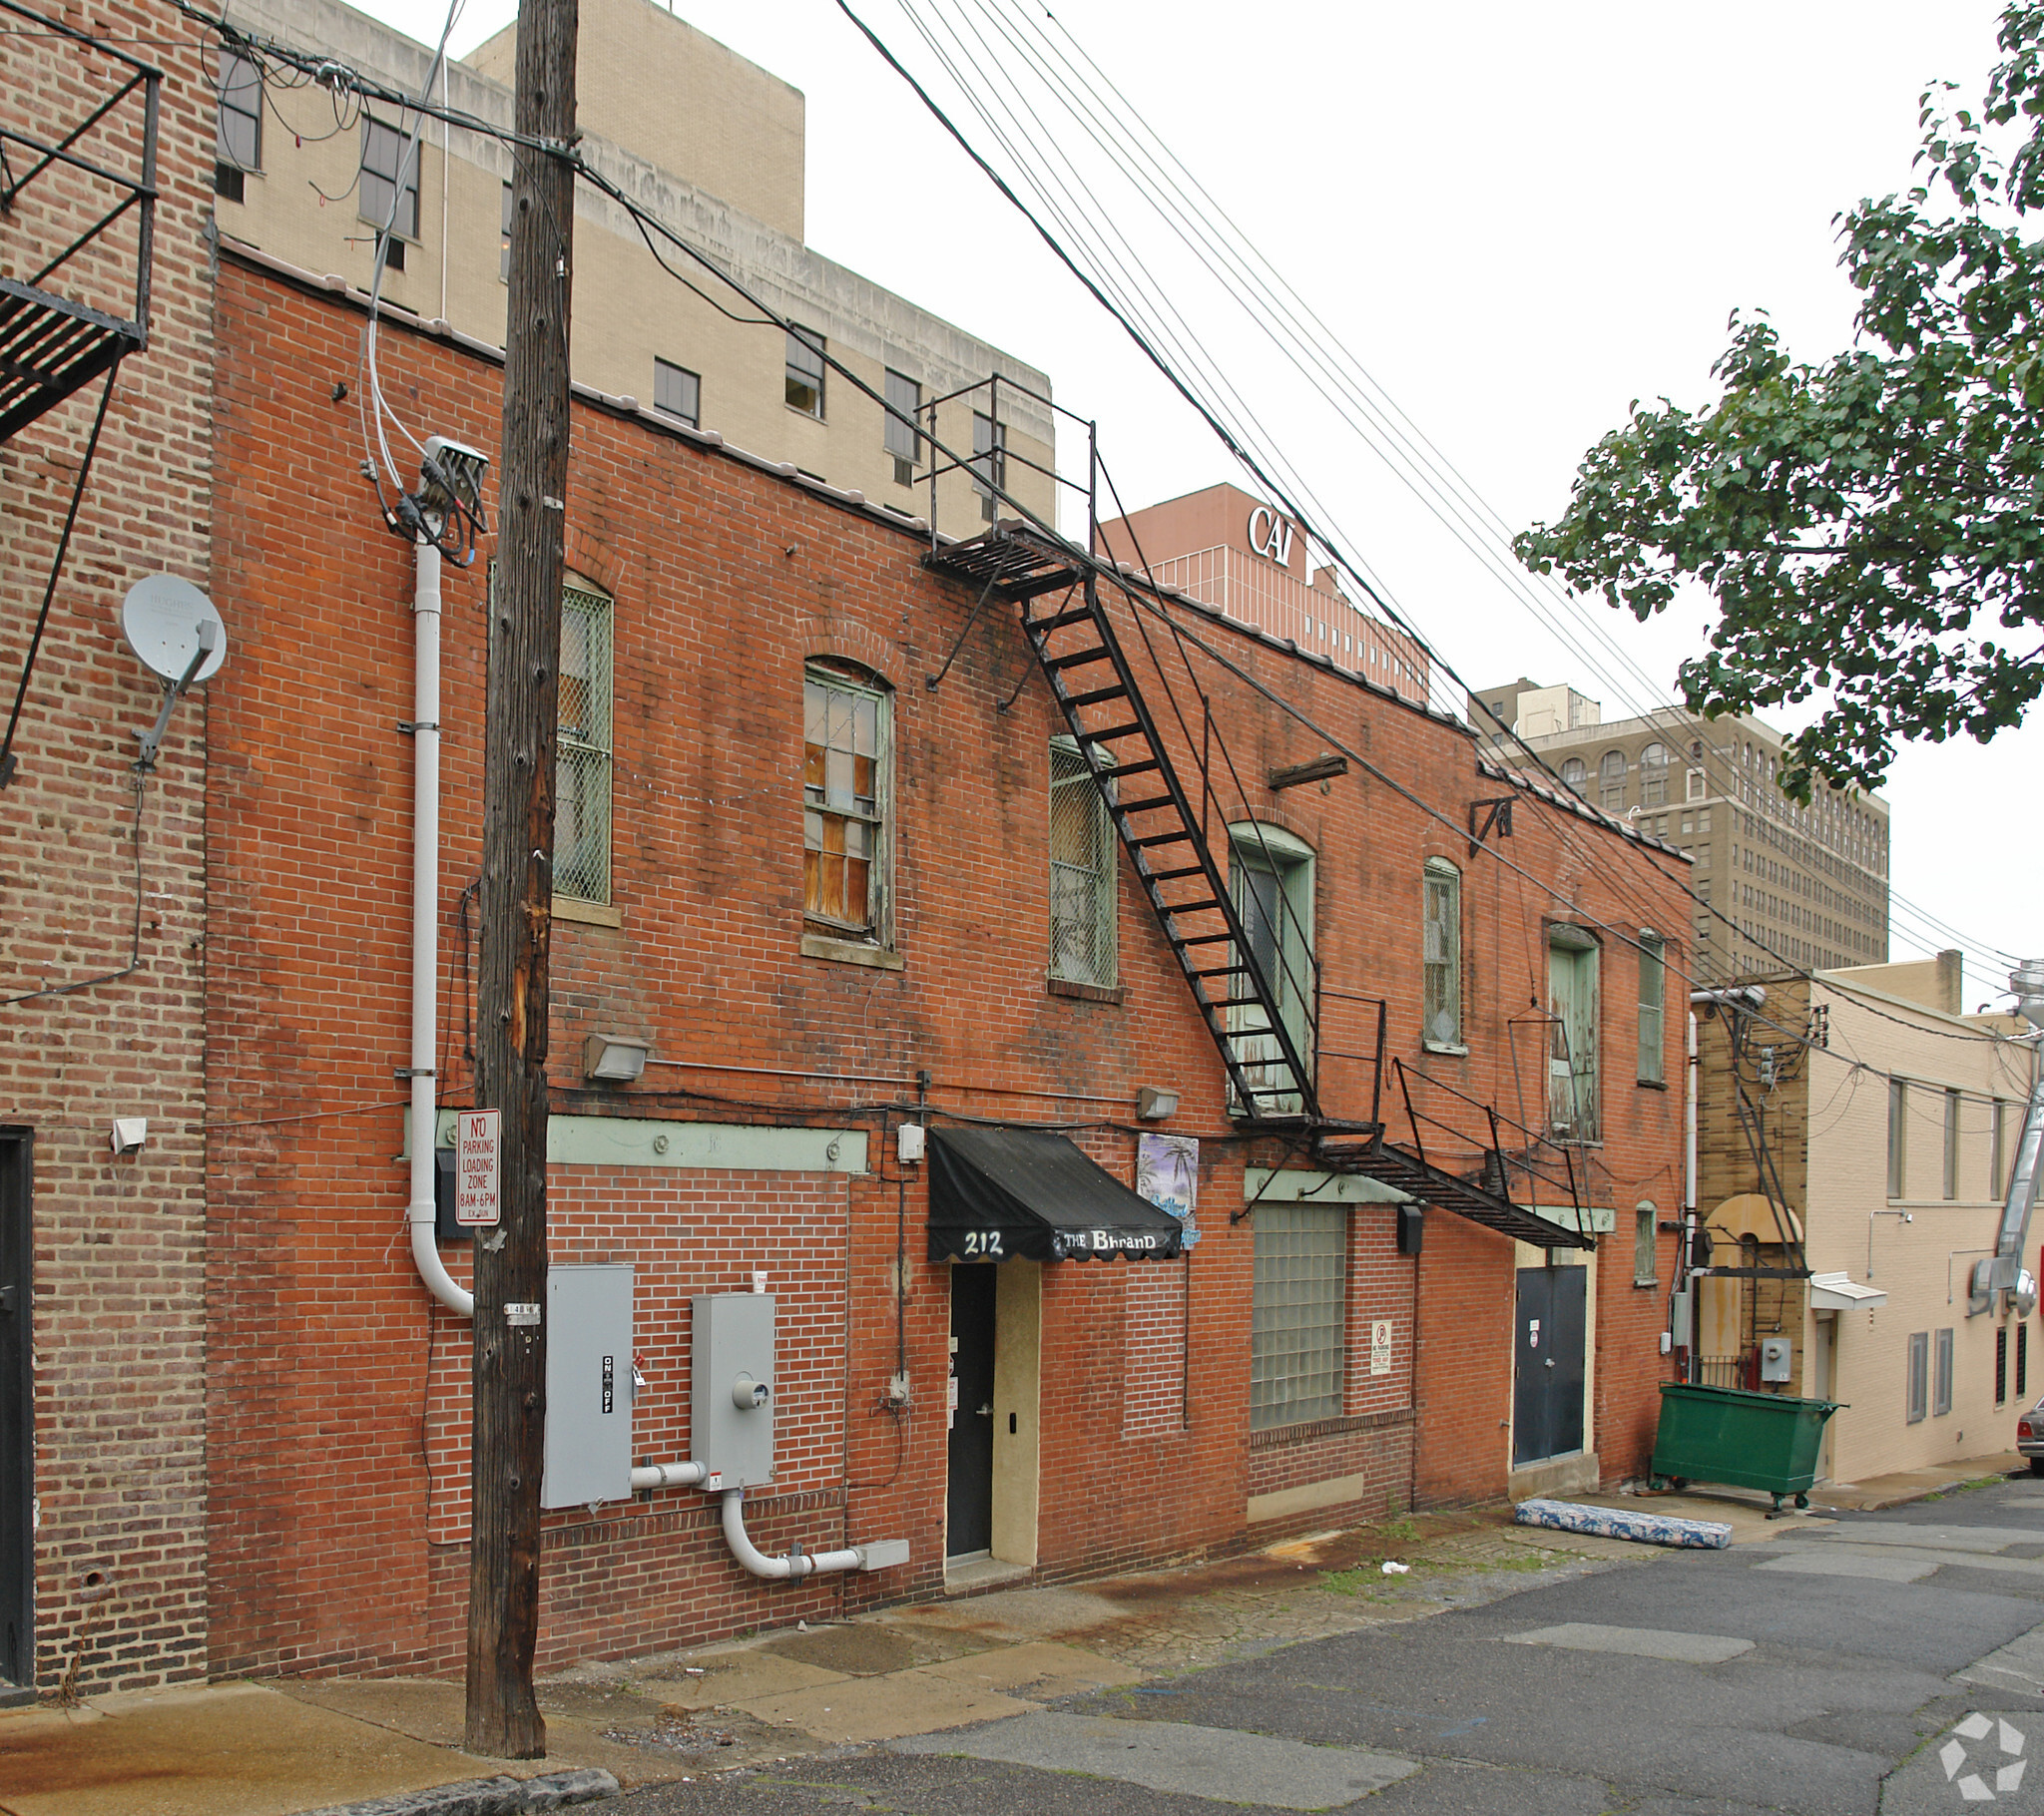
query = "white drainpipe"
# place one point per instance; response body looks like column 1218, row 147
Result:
column 796, row 1564
column 425, row 904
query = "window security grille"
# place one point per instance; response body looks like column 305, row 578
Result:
column 237, row 133
column 2022, row 1361
column 2001, row 1366
column 582, row 810
column 1441, row 955
column 1082, row 873
column 1941, row 1377
column 384, row 149
column 845, row 732
column 1297, row 1317
column 899, row 439
column 676, row 391
column 1652, row 1010
column 1919, row 1369
column 804, row 385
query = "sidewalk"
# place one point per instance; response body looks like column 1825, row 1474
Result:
column 277, row 1748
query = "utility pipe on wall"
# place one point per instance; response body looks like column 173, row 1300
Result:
column 666, row 1475
column 425, row 903
column 797, row 1564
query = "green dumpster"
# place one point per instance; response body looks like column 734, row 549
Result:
column 1745, row 1440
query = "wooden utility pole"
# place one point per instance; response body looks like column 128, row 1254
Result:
column 508, row 1373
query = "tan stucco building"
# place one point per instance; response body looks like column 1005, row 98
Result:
column 710, row 145
column 1887, row 1122
column 1775, row 882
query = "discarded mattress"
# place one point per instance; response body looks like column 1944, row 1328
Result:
column 1619, row 1523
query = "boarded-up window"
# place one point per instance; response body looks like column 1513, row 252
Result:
column 1941, row 1376
column 1899, row 1138
column 1919, row 1373
column 1644, row 1268
column 1296, row 1320
column 845, row 803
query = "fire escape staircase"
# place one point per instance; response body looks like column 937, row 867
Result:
column 1269, row 1071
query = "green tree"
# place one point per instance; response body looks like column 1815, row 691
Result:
column 1871, row 527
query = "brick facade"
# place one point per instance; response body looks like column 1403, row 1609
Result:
column 336, row 1392
column 118, row 1242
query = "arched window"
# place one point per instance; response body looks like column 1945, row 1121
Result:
column 1611, row 782
column 1654, row 777
column 1575, row 773
column 1441, row 955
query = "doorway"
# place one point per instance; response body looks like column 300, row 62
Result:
column 1821, row 1383
column 969, row 1491
column 17, row 1418
column 1547, row 1388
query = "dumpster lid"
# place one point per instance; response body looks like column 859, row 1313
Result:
column 1839, row 1292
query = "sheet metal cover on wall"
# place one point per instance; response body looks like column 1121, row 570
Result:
column 1001, row 1194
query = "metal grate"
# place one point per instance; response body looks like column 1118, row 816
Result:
column 1296, row 1319
column 1082, row 872
column 582, row 786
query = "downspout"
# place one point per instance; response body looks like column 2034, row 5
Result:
column 1688, row 1201
column 425, row 898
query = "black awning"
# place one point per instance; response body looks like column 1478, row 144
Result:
column 1000, row 1194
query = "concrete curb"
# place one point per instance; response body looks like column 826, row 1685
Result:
column 501, row 1796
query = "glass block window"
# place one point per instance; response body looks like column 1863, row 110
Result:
column 238, row 130
column 804, row 386
column 676, row 391
column 899, row 438
column 844, row 804
column 1297, row 1317
column 1082, row 872
column 1652, row 1009
column 384, row 149
column 1441, row 954
column 581, row 762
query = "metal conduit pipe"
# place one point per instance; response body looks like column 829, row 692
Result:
column 425, row 900
column 666, row 1475
column 796, row 1564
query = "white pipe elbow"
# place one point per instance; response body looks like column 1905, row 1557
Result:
column 425, row 1255
column 794, row 1565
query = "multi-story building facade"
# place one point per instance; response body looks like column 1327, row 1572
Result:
column 1855, row 1138
column 831, row 900
column 103, row 1233
column 708, row 144
column 1241, row 557
column 1776, row 881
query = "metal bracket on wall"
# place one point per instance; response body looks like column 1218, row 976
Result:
column 1497, row 816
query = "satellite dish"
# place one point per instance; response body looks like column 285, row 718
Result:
column 171, row 624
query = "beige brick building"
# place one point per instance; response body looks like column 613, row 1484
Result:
column 1808, row 886
column 710, row 145
column 1888, row 1123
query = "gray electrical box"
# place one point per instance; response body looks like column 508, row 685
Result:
column 1678, row 1318
column 589, row 1386
column 731, row 1386
column 1776, row 1353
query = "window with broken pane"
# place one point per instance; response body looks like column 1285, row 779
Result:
column 844, row 804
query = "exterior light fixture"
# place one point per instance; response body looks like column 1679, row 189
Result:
column 1154, row 1106
column 613, row 1058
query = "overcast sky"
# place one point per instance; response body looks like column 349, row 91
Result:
column 1518, row 219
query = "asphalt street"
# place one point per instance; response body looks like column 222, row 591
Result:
column 1891, row 1665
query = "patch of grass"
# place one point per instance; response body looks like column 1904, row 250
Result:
column 1524, row 1560
column 1405, row 1531
column 1966, row 1488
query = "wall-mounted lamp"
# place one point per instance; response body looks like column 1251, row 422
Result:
column 1154, row 1106
column 130, row 1133
column 613, row 1058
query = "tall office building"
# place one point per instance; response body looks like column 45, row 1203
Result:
column 1805, row 885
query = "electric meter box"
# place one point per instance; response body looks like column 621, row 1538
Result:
column 731, row 1386
column 1774, row 1358
column 589, row 1386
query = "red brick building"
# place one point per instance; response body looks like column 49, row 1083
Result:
column 101, row 928
column 824, row 860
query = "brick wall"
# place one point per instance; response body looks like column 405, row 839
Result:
column 725, row 578
column 118, row 1242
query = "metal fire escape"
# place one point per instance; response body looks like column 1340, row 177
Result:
column 1257, row 988
column 63, row 193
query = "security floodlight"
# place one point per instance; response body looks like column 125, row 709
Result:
column 1154, row 1106
column 613, row 1058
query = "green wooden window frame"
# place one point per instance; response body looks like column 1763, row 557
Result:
column 582, row 748
column 1652, row 1009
